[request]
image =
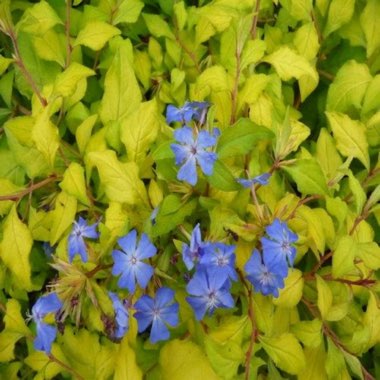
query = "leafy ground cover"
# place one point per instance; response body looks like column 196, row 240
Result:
column 189, row 189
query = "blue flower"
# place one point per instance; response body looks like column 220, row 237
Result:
column 200, row 110
column 76, row 239
column 261, row 179
column 266, row 277
column 121, row 315
column 209, row 291
column 192, row 254
column 191, row 151
column 46, row 334
column 279, row 245
column 159, row 312
column 129, row 264
column 222, row 257
column 182, row 114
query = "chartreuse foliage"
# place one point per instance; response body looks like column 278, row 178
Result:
column 189, row 189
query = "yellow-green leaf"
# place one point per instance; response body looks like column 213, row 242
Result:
column 16, row 247
column 139, row 130
column 369, row 22
column 121, row 181
column 343, row 256
column 126, row 367
column 340, row 13
column 285, row 351
column 63, row 216
column 74, row 183
column 325, row 297
column 96, row 34
column 190, row 362
column 291, row 294
column 350, row 136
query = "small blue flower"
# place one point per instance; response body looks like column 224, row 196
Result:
column 48, row 249
column 129, row 264
column 76, row 243
column 192, row 254
column 200, row 110
column 266, row 277
column 208, row 291
column 46, row 334
column 182, row 114
column 261, row 179
column 159, row 312
column 191, row 151
column 222, row 257
column 121, row 315
column 279, row 245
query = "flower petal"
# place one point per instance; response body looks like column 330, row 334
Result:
column 128, row 242
column 188, row 172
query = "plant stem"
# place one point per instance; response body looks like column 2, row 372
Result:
column 253, row 30
column 20, row 63
column 67, row 32
column 28, row 190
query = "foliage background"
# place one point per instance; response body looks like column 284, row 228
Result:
column 295, row 91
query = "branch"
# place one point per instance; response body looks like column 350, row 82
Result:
column 67, row 32
column 253, row 30
column 20, row 63
column 28, row 190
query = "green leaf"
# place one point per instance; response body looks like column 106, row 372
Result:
column 16, row 247
column 340, row 13
column 350, row 136
column 67, row 82
column 335, row 363
column 289, row 64
column 4, row 63
column 45, row 136
column 325, row 297
column 128, row 11
column 370, row 25
column 299, row 9
column 49, row 46
column 190, row 362
column 240, row 138
column 121, row 91
column 96, row 34
column 157, row 26
column 7, row 187
column 225, row 358
column 348, row 87
column 121, row 181
column 371, row 101
column 125, row 363
column 62, row 216
column 8, row 341
column 358, row 192
column 327, row 154
column 308, row 332
column 83, row 132
column 285, row 351
column 315, row 364
column 139, row 130
column 369, row 253
column 222, row 179
column 306, row 41
column 343, row 256
column 39, row 19
column 291, row 294
column 308, row 176
column 74, row 183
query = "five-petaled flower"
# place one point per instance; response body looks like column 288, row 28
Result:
column 222, row 257
column 192, row 151
column 266, row 277
column 189, row 111
column 121, row 315
column 128, row 262
column 208, row 291
column 191, row 254
column 279, row 245
column 76, row 244
column 46, row 334
column 159, row 312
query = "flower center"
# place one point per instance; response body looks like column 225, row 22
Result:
column 133, row 260
column 222, row 261
column 266, row 277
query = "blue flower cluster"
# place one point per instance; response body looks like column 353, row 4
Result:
column 267, row 271
column 193, row 145
column 212, row 264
